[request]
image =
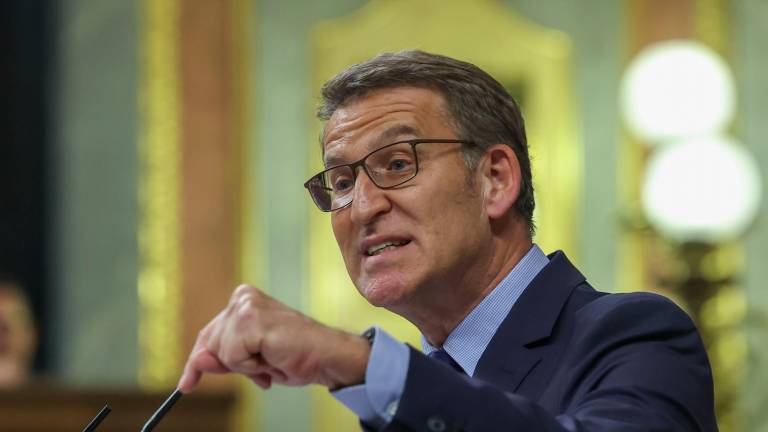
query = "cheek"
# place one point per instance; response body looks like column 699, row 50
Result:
column 342, row 231
column 456, row 221
column 341, row 226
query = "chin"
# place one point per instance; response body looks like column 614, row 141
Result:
column 383, row 292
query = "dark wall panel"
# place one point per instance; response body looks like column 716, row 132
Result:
column 25, row 70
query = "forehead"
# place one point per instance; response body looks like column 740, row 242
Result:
column 382, row 117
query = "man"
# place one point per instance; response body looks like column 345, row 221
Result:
column 428, row 182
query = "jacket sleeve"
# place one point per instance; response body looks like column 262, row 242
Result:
column 636, row 363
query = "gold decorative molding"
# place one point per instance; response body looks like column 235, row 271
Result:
column 159, row 248
column 711, row 24
column 517, row 52
column 723, row 316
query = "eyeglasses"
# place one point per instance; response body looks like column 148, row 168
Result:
column 387, row 167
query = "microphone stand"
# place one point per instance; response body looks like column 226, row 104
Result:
column 149, row 425
column 162, row 411
column 98, row 419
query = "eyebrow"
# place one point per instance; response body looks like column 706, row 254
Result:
column 389, row 136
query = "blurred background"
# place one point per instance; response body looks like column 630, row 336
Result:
column 152, row 156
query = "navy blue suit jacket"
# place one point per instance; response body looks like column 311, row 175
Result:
column 569, row 358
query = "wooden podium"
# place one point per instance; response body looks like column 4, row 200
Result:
column 54, row 408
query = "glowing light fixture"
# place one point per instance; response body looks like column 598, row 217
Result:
column 677, row 89
column 704, row 189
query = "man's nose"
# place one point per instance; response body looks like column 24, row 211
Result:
column 368, row 200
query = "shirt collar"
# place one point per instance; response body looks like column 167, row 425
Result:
column 471, row 337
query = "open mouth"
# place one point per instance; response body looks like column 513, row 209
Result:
column 385, row 246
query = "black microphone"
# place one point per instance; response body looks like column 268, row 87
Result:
column 162, row 411
column 149, row 425
column 98, row 419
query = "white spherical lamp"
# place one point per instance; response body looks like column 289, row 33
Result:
column 677, row 89
column 702, row 189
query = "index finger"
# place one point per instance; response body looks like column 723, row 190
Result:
column 199, row 362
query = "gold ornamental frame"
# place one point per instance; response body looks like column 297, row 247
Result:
column 159, row 183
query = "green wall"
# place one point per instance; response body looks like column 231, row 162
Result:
column 95, row 250
column 750, row 61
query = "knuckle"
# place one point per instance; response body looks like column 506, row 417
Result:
column 245, row 294
column 243, row 289
column 250, row 312
column 246, row 311
column 244, row 300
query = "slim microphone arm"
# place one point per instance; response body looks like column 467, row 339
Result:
column 98, row 419
column 164, row 408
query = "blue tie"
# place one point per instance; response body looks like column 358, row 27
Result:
column 443, row 357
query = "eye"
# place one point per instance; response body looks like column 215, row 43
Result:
column 342, row 184
column 399, row 165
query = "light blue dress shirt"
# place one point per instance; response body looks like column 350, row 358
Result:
column 375, row 401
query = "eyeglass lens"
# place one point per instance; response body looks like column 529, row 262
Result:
column 387, row 167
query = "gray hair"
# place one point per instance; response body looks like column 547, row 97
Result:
column 482, row 110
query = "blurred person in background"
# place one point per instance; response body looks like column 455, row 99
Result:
column 18, row 336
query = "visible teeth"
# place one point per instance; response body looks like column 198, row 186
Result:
column 383, row 249
column 379, row 248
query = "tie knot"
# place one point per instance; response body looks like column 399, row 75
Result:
column 443, row 357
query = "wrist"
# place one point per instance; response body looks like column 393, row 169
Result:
column 348, row 362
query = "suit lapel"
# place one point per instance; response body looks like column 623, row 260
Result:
column 521, row 342
column 508, row 373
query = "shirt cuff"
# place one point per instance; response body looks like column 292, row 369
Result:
column 375, row 402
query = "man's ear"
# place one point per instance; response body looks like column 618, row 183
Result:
column 501, row 180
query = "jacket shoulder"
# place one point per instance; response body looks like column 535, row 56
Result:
column 624, row 310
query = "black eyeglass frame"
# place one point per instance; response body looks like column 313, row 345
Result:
column 361, row 163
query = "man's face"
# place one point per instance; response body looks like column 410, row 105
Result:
column 435, row 223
